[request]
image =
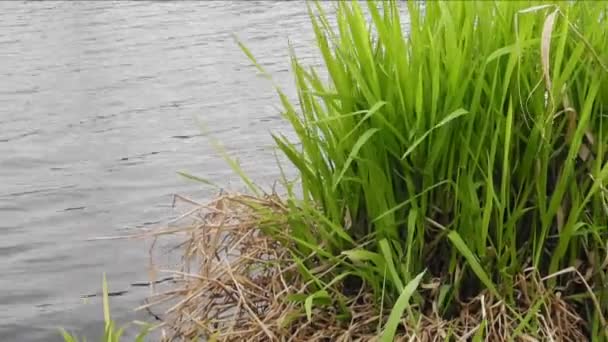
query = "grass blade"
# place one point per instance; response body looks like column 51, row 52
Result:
column 472, row 260
column 399, row 308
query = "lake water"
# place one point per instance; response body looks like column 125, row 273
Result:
column 99, row 103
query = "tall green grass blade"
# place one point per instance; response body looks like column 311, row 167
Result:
column 473, row 262
column 111, row 333
column 452, row 116
column 399, row 308
column 354, row 153
column 106, row 302
column 67, row 337
column 392, row 270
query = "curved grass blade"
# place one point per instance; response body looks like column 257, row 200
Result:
column 321, row 294
column 472, row 260
column 389, row 257
column 354, row 152
column 402, row 303
column 452, row 116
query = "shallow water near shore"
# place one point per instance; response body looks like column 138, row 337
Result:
column 98, row 102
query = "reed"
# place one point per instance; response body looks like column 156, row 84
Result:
column 454, row 159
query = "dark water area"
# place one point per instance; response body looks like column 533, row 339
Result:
column 99, row 103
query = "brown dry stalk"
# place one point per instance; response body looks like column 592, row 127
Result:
column 235, row 281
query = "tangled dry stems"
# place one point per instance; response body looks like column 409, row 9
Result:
column 235, row 283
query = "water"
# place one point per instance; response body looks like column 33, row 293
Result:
column 98, row 109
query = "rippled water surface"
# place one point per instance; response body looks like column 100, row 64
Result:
column 98, row 109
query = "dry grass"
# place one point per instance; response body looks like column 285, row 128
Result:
column 236, row 282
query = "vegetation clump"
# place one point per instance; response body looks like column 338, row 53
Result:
column 452, row 185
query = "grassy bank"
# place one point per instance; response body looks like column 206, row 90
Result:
column 452, row 185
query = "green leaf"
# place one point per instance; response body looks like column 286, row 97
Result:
column 369, row 113
column 478, row 337
column 454, row 115
column 106, row 302
column 472, row 260
column 322, row 294
column 513, row 48
column 354, row 152
column 142, row 334
column 401, row 305
column 361, row 255
column 67, row 337
column 389, row 258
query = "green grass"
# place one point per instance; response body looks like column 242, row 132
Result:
column 470, row 148
column 112, row 333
